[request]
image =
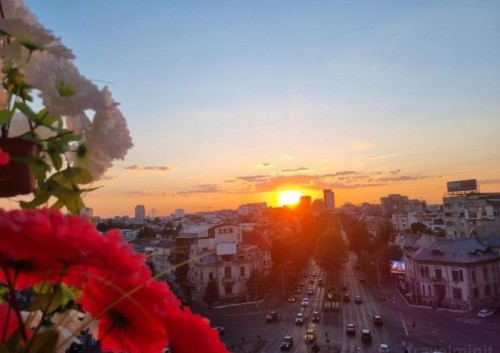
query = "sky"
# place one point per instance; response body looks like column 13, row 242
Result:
column 230, row 102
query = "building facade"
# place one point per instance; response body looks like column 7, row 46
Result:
column 459, row 274
column 329, row 200
column 140, row 213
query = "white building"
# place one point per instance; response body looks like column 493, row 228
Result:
column 459, row 274
column 162, row 259
column 218, row 253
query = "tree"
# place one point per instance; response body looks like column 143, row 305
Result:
column 211, row 292
column 384, row 233
column 419, row 227
column 146, row 232
column 331, row 251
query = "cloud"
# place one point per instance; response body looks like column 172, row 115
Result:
column 489, row 181
column 252, row 177
column 403, row 178
column 300, row 169
column 264, row 165
column 203, row 189
column 136, row 167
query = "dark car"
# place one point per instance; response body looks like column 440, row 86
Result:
column 346, row 297
column 292, row 299
column 350, row 329
column 377, row 320
column 366, row 335
column 286, row 343
column 297, row 290
column 310, row 291
column 316, row 317
column 321, row 283
column 357, row 299
column 272, row 316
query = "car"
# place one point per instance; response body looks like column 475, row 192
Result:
column 297, row 290
column 357, row 299
column 272, row 316
column 305, row 302
column 286, row 343
column 316, row 317
column 384, row 348
column 346, row 297
column 344, row 287
column 299, row 319
column 292, row 299
column 321, row 283
column 377, row 320
column 366, row 335
column 300, row 284
column 350, row 329
column 309, row 336
column 310, row 291
column 485, row 313
column 311, row 280
column 219, row 329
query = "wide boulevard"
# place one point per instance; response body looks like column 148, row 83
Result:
column 416, row 328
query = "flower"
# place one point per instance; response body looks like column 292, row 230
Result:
column 82, row 280
column 79, row 128
column 59, row 276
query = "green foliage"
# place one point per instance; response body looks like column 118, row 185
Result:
column 331, row 250
column 50, row 297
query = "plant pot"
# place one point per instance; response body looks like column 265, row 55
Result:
column 16, row 177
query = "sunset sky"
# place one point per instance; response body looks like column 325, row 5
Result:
column 229, row 102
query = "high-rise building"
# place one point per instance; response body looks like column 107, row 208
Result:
column 305, row 202
column 179, row 213
column 329, row 199
column 140, row 213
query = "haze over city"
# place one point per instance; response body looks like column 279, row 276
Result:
column 232, row 102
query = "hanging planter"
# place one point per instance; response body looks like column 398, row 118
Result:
column 16, row 177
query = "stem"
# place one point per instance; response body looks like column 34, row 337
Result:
column 14, row 303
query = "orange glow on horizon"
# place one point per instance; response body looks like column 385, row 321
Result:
column 289, row 197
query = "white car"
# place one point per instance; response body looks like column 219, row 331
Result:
column 305, row 302
column 299, row 319
column 384, row 348
column 485, row 313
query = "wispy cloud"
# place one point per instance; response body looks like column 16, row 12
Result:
column 300, row 169
column 362, row 145
column 136, row 167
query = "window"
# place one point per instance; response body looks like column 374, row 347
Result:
column 457, row 275
column 227, row 272
column 438, row 274
column 424, row 271
column 457, row 293
column 242, row 271
column 228, row 288
column 475, row 293
column 210, row 275
column 201, row 276
column 485, row 273
column 487, row 290
column 473, row 275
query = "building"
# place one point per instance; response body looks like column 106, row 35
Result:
column 163, row 259
column 140, row 213
column 218, row 253
column 329, row 200
column 468, row 212
column 451, row 273
column 252, row 209
column 179, row 213
column 305, row 202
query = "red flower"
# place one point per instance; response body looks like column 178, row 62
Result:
column 4, row 157
column 39, row 245
column 190, row 332
column 129, row 314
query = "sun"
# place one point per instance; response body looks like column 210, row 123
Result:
column 289, row 197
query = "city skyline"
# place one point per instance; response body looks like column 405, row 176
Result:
column 233, row 103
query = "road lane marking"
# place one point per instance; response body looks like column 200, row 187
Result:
column 403, row 322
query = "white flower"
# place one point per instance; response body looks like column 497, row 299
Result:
column 88, row 157
column 17, row 9
column 63, row 90
column 78, row 123
column 109, row 130
column 34, row 37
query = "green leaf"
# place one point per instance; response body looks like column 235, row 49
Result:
column 46, row 119
column 6, row 117
column 26, row 110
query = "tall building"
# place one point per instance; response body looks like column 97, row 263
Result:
column 140, row 213
column 329, row 199
column 179, row 213
column 305, row 202
column 468, row 212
